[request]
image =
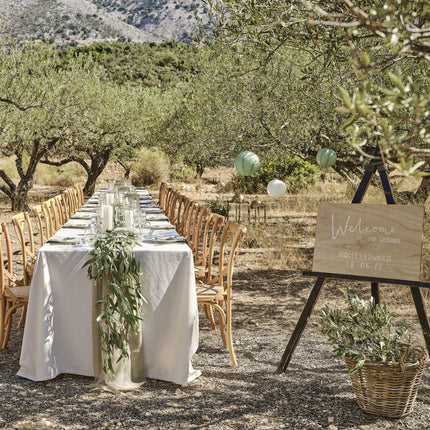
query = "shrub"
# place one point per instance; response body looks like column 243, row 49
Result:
column 63, row 176
column 218, row 206
column 181, row 173
column 297, row 173
column 364, row 331
column 149, row 167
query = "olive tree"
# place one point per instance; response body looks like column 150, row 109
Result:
column 110, row 128
column 55, row 113
column 38, row 104
column 241, row 102
column 387, row 46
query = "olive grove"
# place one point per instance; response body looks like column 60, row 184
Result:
column 383, row 48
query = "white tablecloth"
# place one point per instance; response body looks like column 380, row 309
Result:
column 57, row 335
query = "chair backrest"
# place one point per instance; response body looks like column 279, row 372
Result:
column 231, row 240
column 162, row 195
column 52, row 214
column 6, row 261
column 79, row 194
column 39, row 213
column 211, row 234
column 171, row 199
column 23, row 226
column 189, row 222
column 201, row 213
column 70, row 198
column 180, row 214
column 67, row 204
column 61, row 209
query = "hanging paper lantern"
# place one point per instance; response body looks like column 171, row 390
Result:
column 326, row 157
column 276, row 188
column 246, row 163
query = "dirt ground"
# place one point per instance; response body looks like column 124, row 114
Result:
column 270, row 291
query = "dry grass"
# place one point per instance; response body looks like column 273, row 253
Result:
column 286, row 240
column 269, row 294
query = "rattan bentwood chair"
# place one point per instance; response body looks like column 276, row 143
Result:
column 216, row 292
column 24, row 229
column 14, row 294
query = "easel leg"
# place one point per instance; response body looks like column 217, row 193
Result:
column 375, row 292
column 301, row 324
column 422, row 315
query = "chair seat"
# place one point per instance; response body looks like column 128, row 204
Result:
column 205, row 291
column 20, row 292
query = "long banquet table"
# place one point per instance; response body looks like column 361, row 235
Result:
column 58, row 329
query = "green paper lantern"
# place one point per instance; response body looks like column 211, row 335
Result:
column 246, row 163
column 326, row 157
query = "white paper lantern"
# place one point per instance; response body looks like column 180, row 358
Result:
column 276, row 188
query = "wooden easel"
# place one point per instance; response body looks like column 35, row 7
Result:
column 377, row 163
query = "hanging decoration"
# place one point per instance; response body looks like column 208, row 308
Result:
column 276, row 188
column 326, row 157
column 246, row 163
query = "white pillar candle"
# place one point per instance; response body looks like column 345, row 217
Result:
column 110, row 198
column 107, row 217
column 128, row 218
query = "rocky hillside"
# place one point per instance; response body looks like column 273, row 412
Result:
column 76, row 22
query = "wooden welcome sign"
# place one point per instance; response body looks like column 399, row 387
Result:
column 376, row 243
column 382, row 241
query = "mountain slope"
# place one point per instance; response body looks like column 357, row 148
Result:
column 84, row 21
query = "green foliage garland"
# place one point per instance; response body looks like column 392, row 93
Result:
column 364, row 331
column 113, row 260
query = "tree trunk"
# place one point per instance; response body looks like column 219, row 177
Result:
column 98, row 163
column 199, row 169
column 19, row 199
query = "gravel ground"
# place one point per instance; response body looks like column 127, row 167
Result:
column 314, row 393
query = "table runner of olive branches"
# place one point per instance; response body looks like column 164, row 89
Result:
column 117, row 309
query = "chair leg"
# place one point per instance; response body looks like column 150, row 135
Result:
column 8, row 322
column 7, row 325
column 2, row 318
column 23, row 315
column 210, row 316
column 229, row 334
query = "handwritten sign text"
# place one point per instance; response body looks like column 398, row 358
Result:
column 369, row 240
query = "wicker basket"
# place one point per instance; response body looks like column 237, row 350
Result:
column 388, row 390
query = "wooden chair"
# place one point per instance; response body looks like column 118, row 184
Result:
column 215, row 293
column 206, row 248
column 67, row 206
column 198, row 222
column 61, row 209
column 43, row 224
column 14, row 294
column 51, row 212
column 167, row 195
column 69, row 198
column 76, row 197
column 79, row 194
column 162, row 195
column 22, row 224
column 180, row 214
column 171, row 204
column 189, row 222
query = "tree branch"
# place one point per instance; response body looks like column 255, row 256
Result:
column 19, row 107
